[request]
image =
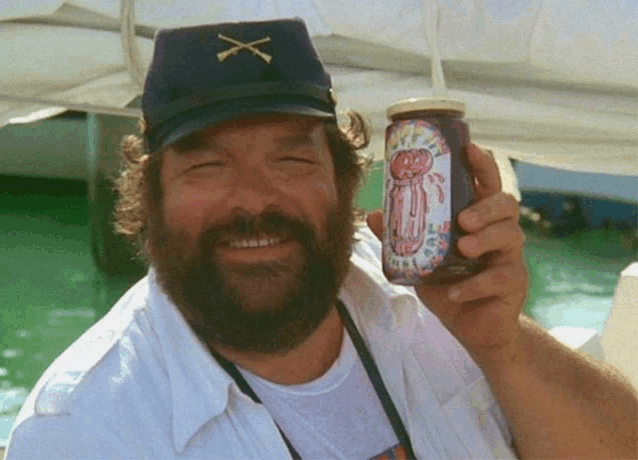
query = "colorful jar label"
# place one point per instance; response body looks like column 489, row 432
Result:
column 417, row 200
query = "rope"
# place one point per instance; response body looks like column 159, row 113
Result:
column 130, row 48
column 432, row 19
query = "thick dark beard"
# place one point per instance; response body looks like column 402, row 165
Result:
column 214, row 308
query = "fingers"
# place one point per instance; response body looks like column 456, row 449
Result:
column 505, row 237
column 489, row 210
column 375, row 222
column 485, row 172
column 496, row 281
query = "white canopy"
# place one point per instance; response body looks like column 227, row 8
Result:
column 551, row 83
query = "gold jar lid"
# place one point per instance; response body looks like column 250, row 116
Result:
column 421, row 104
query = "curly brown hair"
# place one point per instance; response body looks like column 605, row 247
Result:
column 140, row 193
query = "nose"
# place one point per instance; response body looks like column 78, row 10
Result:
column 253, row 190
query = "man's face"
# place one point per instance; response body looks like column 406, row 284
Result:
column 253, row 239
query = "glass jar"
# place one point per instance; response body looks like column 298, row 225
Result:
column 427, row 184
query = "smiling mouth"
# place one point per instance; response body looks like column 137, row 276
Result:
column 260, row 241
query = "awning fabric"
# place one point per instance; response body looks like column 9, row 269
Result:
column 549, row 83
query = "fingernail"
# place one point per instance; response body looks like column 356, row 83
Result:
column 483, row 151
column 454, row 293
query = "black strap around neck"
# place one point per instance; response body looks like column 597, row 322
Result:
column 246, row 389
column 370, row 367
column 376, row 379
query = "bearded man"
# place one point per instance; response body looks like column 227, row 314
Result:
column 266, row 328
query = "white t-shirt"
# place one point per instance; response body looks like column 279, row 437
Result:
column 337, row 416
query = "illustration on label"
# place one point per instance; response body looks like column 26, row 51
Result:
column 418, row 202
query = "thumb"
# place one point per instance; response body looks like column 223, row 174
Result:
column 375, row 222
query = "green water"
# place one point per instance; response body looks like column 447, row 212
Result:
column 51, row 292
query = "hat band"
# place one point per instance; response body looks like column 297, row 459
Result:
column 203, row 98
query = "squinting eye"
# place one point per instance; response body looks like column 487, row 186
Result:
column 302, row 160
column 206, row 165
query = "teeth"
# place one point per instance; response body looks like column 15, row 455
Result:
column 255, row 243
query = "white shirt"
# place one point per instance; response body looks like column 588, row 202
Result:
column 140, row 385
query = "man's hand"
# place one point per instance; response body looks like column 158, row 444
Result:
column 482, row 311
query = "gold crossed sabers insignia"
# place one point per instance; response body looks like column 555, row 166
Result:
column 244, row 46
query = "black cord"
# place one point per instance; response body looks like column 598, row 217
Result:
column 376, row 379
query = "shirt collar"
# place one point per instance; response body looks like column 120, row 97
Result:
column 379, row 300
column 199, row 386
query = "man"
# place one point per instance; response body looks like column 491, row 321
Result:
column 266, row 329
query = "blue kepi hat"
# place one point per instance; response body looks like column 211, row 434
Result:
column 209, row 74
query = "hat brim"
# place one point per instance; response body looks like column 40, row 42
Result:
column 199, row 119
